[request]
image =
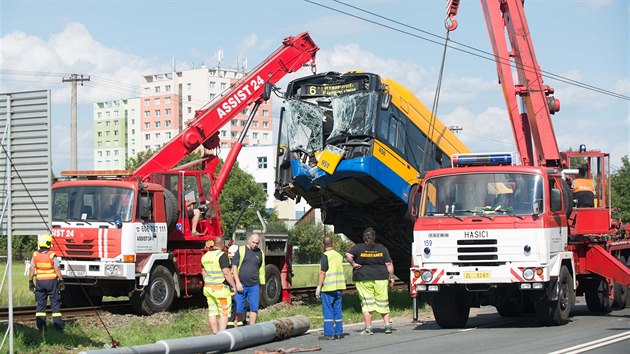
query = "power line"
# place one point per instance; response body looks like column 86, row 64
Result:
column 484, row 55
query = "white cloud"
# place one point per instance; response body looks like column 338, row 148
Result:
column 247, row 43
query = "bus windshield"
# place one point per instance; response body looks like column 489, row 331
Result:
column 483, row 194
column 335, row 119
column 97, row 203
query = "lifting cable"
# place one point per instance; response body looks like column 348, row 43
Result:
column 451, row 24
column 114, row 342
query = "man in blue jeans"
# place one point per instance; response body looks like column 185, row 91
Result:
column 248, row 268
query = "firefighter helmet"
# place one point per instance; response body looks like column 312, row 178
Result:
column 44, row 241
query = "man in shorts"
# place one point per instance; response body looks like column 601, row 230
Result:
column 216, row 266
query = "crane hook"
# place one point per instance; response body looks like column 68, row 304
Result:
column 451, row 10
column 450, row 23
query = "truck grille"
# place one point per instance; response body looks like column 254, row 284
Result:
column 477, row 252
column 87, row 248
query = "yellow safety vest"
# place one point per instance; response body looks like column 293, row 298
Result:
column 44, row 265
column 335, row 279
column 261, row 271
column 212, row 272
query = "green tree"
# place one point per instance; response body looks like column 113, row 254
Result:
column 307, row 237
column 620, row 191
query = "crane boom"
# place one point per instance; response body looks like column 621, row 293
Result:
column 533, row 126
column 294, row 53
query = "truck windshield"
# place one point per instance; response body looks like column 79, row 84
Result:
column 483, row 194
column 95, row 203
column 331, row 120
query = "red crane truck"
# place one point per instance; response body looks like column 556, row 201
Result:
column 127, row 233
column 506, row 229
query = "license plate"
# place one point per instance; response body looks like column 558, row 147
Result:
column 77, row 273
column 476, row 275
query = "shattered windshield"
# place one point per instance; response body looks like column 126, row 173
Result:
column 335, row 119
column 304, row 125
column 484, row 193
column 353, row 115
column 96, row 203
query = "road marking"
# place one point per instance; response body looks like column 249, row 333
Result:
column 581, row 348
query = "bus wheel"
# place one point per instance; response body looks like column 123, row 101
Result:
column 271, row 291
column 158, row 295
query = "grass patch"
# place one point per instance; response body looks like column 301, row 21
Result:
column 306, row 275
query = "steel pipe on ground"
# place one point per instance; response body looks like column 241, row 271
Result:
column 231, row 339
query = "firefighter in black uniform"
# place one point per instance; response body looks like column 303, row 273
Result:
column 45, row 268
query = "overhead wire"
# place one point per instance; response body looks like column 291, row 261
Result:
column 473, row 51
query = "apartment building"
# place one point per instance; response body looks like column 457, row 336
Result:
column 110, row 132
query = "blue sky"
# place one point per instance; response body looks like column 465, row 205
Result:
column 115, row 42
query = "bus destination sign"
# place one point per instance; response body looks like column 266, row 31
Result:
column 328, row 90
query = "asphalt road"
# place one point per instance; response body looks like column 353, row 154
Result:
column 486, row 332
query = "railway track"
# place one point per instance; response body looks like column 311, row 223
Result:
column 27, row 313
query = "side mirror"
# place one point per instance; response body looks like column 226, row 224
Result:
column 144, row 208
column 556, row 200
column 267, row 91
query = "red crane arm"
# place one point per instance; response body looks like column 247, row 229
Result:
column 291, row 56
column 508, row 16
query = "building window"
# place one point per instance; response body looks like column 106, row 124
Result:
column 254, row 135
column 157, row 101
column 147, row 114
column 107, row 123
column 244, row 111
column 264, row 185
column 133, row 131
column 116, row 123
column 157, row 112
column 255, row 124
column 107, row 153
column 116, row 152
column 157, row 135
column 265, row 112
column 167, row 111
column 115, row 132
column 147, row 136
column 98, row 124
column 167, row 100
column 234, row 122
column 167, row 123
column 133, row 122
column 167, row 88
column 233, row 134
column 265, row 124
column 99, row 143
column 116, row 114
column 223, row 145
column 265, row 137
column 168, row 135
column 147, row 102
column 157, row 124
column 189, row 86
column 213, row 84
column 189, row 110
column 99, row 134
column 262, row 161
column 147, row 125
column 107, row 144
column 107, row 133
column 189, row 97
column 243, row 123
column 212, row 96
column 223, row 85
column 98, row 114
column 157, row 89
column 99, row 153
column 223, row 133
column 115, row 142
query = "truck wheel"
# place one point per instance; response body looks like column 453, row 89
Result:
column 556, row 312
column 597, row 296
column 620, row 291
column 450, row 309
column 73, row 296
column 158, row 295
column 271, row 291
column 170, row 204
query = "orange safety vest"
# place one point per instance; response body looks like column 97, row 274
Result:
column 44, row 265
column 583, row 185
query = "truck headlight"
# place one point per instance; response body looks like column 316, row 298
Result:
column 112, row 269
column 528, row 274
column 427, row 276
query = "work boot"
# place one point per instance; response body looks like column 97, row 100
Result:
column 388, row 329
column 41, row 323
column 367, row 331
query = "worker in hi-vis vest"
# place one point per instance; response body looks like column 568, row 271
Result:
column 45, row 268
column 218, row 285
column 330, row 282
column 248, row 268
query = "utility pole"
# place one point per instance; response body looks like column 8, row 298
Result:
column 74, row 78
